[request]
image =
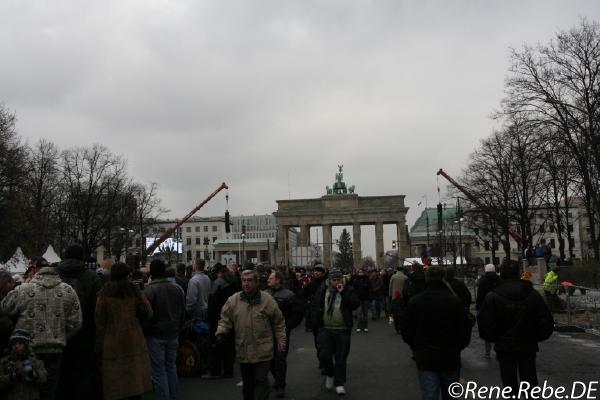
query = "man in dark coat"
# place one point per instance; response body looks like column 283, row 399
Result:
column 515, row 318
column 487, row 283
column 79, row 373
column 162, row 330
column 364, row 290
column 459, row 287
column 308, row 293
column 293, row 312
column 436, row 327
column 415, row 283
column 332, row 317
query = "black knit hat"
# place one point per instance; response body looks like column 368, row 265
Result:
column 20, row 334
column 119, row 271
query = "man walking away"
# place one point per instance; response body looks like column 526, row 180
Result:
column 162, row 331
column 332, row 318
column 293, row 312
column 362, row 284
column 437, row 328
column 487, row 283
column 255, row 318
column 395, row 292
column 515, row 318
column 198, row 291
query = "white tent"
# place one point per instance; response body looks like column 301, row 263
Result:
column 18, row 263
column 51, row 256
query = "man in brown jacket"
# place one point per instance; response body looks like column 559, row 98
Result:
column 254, row 316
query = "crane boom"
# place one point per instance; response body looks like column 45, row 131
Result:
column 180, row 222
column 511, row 231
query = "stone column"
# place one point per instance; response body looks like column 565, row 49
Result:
column 282, row 245
column 402, row 240
column 327, row 246
column 304, row 236
column 356, row 245
column 379, row 244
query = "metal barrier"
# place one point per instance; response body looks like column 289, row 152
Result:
column 574, row 307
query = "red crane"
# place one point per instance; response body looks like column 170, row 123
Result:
column 180, row 222
column 511, row 231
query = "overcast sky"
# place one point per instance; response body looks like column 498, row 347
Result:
column 269, row 96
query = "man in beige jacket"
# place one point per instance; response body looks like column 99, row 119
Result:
column 254, row 316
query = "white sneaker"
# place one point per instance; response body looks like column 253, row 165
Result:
column 340, row 390
column 390, row 321
column 358, row 330
column 329, row 382
column 366, row 330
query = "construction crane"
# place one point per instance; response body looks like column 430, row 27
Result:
column 169, row 232
column 511, row 231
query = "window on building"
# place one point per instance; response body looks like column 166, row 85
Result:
column 205, row 255
column 162, row 229
column 552, row 228
column 154, row 230
column 214, row 228
column 495, row 246
column 197, row 240
column 570, row 227
column 486, row 244
column 552, row 243
column 198, row 255
column 188, row 228
column 197, row 229
column 477, row 243
column 188, row 241
column 571, row 243
column 214, row 239
column 485, row 231
column 188, row 255
column 487, row 260
column 542, row 228
column 570, row 215
column 205, row 228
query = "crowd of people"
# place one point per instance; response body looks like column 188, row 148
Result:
column 76, row 330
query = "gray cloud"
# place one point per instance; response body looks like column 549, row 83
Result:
column 251, row 92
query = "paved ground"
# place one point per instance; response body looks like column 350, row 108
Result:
column 380, row 368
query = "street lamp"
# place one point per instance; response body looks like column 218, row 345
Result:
column 243, row 258
column 206, row 242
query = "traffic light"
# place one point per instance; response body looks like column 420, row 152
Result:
column 350, row 245
column 393, row 244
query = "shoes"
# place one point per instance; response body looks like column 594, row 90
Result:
column 329, row 382
column 340, row 390
column 358, row 330
column 210, row 376
column 366, row 329
column 390, row 321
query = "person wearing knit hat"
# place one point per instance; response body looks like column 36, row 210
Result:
column 332, row 318
column 486, row 284
column 21, row 373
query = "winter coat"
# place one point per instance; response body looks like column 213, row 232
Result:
column 435, row 325
column 350, row 302
column 397, row 284
column 47, row 308
column 222, row 288
column 121, row 345
column 461, row 290
column 21, row 389
column 414, row 285
column 486, row 284
column 86, row 284
column 290, row 305
column 197, row 295
column 168, row 307
column 551, row 282
column 377, row 285
column 255, row 322
column 362, row 285
column 515, row 317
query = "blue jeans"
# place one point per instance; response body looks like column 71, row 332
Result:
column 436, row 383
column 163, row 358
column 334, row 345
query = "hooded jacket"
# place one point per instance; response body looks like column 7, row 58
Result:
column 350, row 302
column 515, row 317
column 486, row 284
column 46, row 308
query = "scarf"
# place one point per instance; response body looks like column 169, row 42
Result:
column 251, row 299
column 331, row 302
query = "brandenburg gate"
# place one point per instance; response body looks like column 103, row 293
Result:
column 342, row 207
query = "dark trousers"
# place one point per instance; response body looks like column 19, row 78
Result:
column 334, row 347
column 52, row 364
column 279, row 363
column 222, row 356
column 362, row 314
column 79, row 374
column 517, row 368
column 255, row 378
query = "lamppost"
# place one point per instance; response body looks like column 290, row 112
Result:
column 206, row 242
column 243, row 259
